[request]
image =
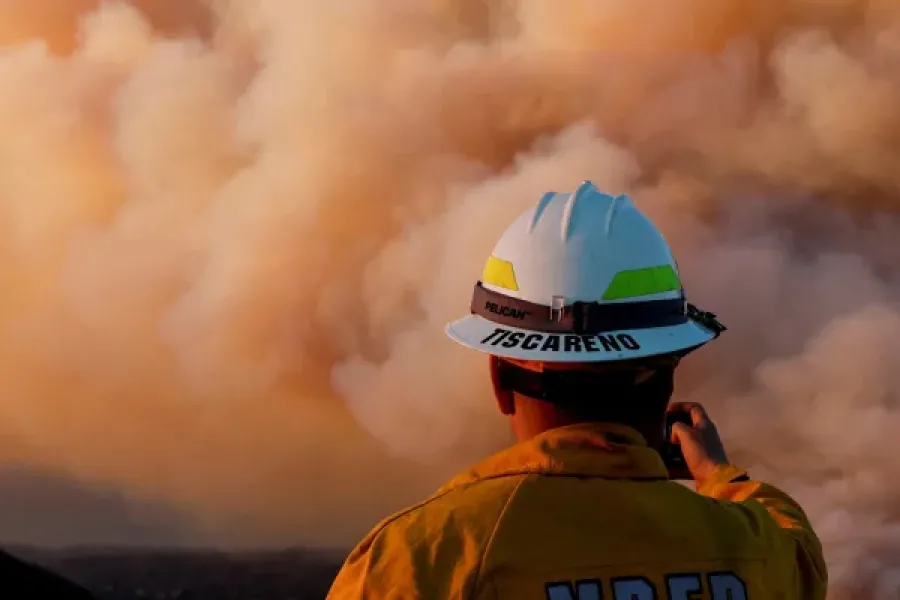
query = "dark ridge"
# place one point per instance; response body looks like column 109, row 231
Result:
column 170, row 574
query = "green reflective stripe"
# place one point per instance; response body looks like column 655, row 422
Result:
column 641, row 282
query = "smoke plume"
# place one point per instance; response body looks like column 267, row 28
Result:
column 232, row 232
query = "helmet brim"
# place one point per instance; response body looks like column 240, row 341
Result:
column 480, row 334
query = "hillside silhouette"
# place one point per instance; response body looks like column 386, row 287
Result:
column 125, row 574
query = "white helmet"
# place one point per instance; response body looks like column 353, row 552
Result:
column 582, row 277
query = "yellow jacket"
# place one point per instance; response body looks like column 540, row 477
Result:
column 587, row 513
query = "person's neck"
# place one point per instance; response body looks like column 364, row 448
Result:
column 532, row 417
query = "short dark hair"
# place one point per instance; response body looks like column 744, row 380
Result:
column 611, row 398
column 616, row 396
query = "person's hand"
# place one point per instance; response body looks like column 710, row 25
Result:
column 700, row 444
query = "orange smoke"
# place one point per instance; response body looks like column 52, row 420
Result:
column 232, row 232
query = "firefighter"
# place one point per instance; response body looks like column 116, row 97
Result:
column 582, row 313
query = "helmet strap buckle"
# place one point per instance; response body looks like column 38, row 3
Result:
column 706, row 319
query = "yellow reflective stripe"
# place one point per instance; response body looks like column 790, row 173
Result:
column 500, row 273
column 641, row 282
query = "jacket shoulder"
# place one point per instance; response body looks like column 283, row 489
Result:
column 433, row 549
column 471, row 510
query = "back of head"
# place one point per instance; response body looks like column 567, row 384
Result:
column 542, row 396
column 582, row 308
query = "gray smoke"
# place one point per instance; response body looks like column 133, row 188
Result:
column 233, row 231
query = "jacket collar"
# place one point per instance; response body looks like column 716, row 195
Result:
column 586, row 450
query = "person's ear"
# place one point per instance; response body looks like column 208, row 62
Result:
column 506, row 401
